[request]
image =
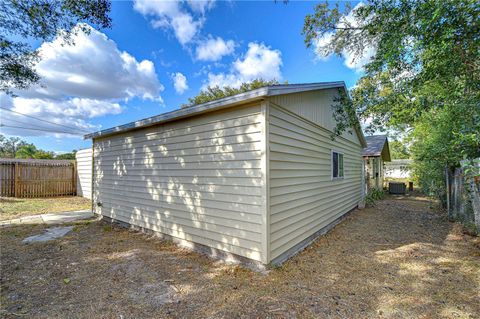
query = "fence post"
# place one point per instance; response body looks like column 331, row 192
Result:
column 475, row 196
column 448, row 191
column 74, row 178
column 15, row 179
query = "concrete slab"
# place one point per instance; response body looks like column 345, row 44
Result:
column 66, row 217
column 48, row 234
column 49, row 219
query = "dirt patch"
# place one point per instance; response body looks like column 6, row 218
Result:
column 399, row 259
column 11, row 208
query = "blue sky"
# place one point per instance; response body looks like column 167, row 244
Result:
column 128, row 72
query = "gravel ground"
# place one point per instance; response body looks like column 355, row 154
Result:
column 400, row 259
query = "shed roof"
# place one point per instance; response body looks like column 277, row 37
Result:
column 250, row 96
column 377, row 145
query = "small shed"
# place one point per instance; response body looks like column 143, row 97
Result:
column 375, row 155
column 253, row 177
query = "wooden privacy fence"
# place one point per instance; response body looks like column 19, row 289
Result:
column 37, row 178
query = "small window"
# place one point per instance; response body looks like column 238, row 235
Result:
column 337, row 165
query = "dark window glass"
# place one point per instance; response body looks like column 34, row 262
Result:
column 337, row 165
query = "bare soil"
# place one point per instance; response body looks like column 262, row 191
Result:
column 11, row 207
column 400, row 259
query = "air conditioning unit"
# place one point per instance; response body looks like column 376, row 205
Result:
column 397, row 188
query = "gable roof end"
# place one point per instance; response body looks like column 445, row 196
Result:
column 377, row 145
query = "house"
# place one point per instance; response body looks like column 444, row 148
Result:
column 254, row 177
column 375, row 155
column 398, row 168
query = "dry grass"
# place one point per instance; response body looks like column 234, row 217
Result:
column 399, row 259
column 11, row 208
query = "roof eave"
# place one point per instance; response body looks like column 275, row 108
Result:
column 230, row 101
column 184, row 112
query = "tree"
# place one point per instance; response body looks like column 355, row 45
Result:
column 399, row 150
column 14, row 147
column 212, row 93
column 423, row 78
column 67, row 156
column 26, row 151
column 41, row 154
column 10, row 146
column 420, row 47
column 24, row 20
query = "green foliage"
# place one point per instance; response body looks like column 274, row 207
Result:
column 10, row 146
column 471, row 167
column 442, row 138
column 373, row 195
column 24, row 20
column 424, row 78
column 213, row 93
column 15, row 147
column 26, row 151
column 67, row 156
column 399, row 150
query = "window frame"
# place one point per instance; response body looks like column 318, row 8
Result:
column 340, row 168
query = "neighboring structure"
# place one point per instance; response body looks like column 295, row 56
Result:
column 375, row 155
column 255, row 175
column 84, row 172
column 398, row 168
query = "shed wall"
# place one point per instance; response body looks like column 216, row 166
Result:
column 198, row 179
column 303, row 197
column 84, row 172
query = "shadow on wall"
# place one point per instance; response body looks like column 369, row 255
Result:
column 197, row 180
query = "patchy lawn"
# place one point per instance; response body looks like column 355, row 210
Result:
column 11, row 208
column 399, row 259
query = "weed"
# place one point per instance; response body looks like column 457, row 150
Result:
column 373, row 195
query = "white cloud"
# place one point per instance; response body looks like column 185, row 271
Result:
column 357, row 62
column 201, row 6
column 74, row 107
column 83, row 81
column 173, row 15
column 179, row 82
column 214, row 49
column 94, row 68
column 260, row 61
column 353, row 60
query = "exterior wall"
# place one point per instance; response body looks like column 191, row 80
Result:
column 398, row 168
column 304, row 198
column 315, row 106
column 84, row 172
column 374, row 172
column 198, row 180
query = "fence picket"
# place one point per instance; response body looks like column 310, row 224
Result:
column 37, row 178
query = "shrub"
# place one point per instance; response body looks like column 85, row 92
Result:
column 373, row 195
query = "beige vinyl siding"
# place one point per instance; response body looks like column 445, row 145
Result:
column 303, row 196
column 84, row 172
column 315, row 106
column 197, row 179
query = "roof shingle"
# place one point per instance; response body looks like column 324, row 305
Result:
column 375, row 145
